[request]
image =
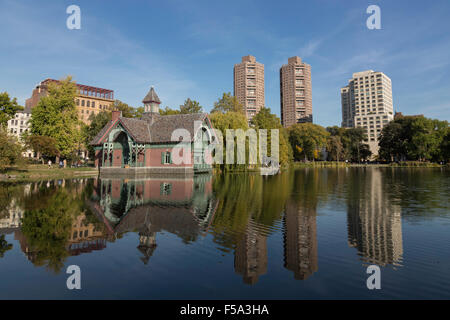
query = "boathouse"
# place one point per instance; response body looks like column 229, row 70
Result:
column 151, row 144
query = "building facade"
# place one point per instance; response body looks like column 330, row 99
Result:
column 249, row 85
column 89, row 100
column 295, row 92
column 367, row 103
column 147, row 145
column 18, row 126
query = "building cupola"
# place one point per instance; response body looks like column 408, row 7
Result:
column 151, row 101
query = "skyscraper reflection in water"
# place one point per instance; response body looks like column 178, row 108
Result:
column 374, row 222
column 250, row 257
column 300, row 239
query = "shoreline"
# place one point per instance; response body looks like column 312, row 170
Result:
column 42, row 173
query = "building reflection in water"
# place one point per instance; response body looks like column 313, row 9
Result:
column 374, row 223
column 85, row 237
column 250, row 256
column 184, row 207
column 99, row 211
column 300, row 230
column 300, row 239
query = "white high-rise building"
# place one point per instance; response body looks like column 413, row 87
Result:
column 367, row 103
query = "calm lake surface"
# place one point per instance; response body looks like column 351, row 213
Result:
column 303, row 234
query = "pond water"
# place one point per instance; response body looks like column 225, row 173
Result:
column 303, row 234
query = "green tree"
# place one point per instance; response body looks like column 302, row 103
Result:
column 225, row 121
column 43, row 146
column 138, row 112
column 127, row 111
column 445, row 146
column 10, row 150
column 423, row 140
column 191, row 106
column 8, row 108
column 307, row 140
column 413, row 138
column 390, row 142
column 56, row 116
column 167, row 111
column 97, row 122
column 227, row 103
column 266, row 120
column 357, row 150
column 335, row 148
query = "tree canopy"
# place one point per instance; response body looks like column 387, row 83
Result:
column 191, row 106
column 56, row 116
column 307, row 140
column 227, row 103
column 266, row 120
column 414, row 138
column 97, row 122
column 10, row 150
column 8, row 108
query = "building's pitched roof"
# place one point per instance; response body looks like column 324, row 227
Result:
column 137, row 128
column 97, row 139
column 161, row 130
column 151, row 97
column 153, row 128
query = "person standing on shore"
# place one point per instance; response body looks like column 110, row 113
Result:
column 49, row 164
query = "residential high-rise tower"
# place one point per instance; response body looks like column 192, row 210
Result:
column 249, row 85
column 367, row 103
column 296, row 93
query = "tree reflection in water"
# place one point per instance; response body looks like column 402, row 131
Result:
column 238, row 211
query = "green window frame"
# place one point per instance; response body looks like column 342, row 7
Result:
column 166, row 157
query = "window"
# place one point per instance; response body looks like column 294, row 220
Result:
column 93, row 104
column 78, row 102
column 166, row 158
column 165, row 188
column 251, row 70
column 82, row 103
column 299, row 103
column 251, row 92
column 88, row 103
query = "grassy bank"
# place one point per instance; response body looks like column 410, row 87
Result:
column 39, row 172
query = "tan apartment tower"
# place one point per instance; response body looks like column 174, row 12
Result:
column 295, row 92
column 367, row 103
column 249, row 85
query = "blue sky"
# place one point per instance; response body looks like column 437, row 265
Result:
column 188, row 48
